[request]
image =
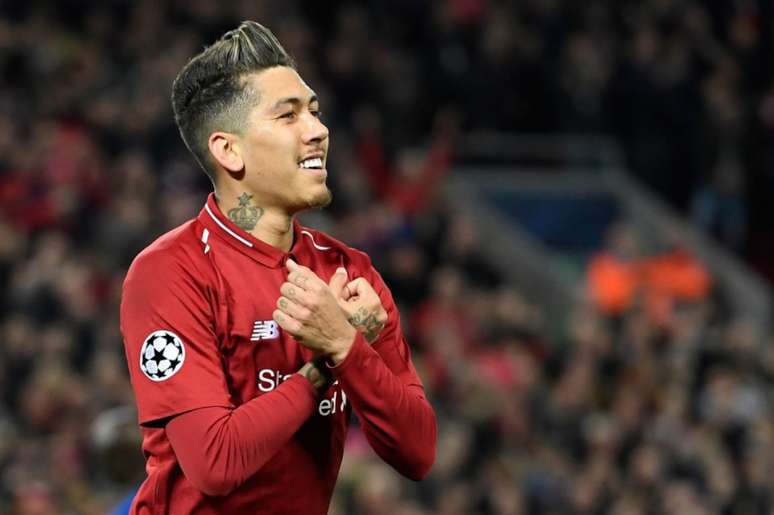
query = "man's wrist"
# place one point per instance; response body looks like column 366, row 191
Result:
column 369, row 322
column 341, row 349
column 317, row 374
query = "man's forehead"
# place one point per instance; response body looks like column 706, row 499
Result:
column 279, row 84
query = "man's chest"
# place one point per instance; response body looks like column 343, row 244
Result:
column 257, row 354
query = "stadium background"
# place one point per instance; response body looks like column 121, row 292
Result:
column 643, row 398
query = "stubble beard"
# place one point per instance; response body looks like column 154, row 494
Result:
column 322, row 200
column 319, row 200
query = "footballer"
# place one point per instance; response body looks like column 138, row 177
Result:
column 251, row 339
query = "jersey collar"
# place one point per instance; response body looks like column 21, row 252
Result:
column 213, row 219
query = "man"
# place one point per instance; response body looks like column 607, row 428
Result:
column 249, row 338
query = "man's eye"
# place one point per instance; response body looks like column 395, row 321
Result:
column 289, row 115
column 317, row 113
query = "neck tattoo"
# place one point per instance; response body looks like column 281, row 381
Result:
column 245, row 216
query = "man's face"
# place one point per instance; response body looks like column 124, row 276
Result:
column 285, row 145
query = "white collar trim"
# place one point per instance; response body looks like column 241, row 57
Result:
column 223, row 226
column 318, row 247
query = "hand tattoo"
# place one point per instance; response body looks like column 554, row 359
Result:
column 245, row 216
column 366, row 323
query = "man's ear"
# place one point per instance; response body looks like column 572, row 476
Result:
column 225, row 149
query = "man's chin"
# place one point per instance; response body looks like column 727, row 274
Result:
column 319, row 200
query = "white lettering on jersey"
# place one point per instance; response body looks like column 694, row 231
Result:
column 264, row 330
column 329, row 406
column 269, row 379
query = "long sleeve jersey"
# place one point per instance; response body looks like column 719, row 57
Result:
column 228, row 427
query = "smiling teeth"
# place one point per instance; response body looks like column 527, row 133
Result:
column 312, row 163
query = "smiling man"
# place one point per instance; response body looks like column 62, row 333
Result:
column 249, row 338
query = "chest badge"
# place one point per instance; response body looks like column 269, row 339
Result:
column 264, row 330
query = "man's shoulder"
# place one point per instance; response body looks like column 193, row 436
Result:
column 178, row 249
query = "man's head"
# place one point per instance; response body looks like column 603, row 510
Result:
column 250, row 120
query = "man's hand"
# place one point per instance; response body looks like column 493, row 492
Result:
column 309, row 311
column 361, row 303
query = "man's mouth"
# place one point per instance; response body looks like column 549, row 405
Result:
column 313, row 163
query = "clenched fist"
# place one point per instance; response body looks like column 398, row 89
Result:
column 362, row 304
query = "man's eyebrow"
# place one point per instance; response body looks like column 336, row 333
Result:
column 295, row 101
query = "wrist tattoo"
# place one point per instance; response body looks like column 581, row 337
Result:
column 318, row 374
column 366, row 322
column 245, row 216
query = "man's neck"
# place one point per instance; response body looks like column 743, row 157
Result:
column 269, row 225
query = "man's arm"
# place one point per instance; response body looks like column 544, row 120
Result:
column 380, row 381
column 217, row 444
column 389, row 399
column 220, row 448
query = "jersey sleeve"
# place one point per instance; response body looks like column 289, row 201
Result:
column 219, row 449
column 391, row 344
column 167, row 322
column 387, row 394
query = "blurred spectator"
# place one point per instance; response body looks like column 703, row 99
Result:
column 623, row 275
column 612, row 275
column 719, row 206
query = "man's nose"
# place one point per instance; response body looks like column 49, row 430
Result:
column 315, row 130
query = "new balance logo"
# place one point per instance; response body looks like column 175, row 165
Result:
column 264, row 330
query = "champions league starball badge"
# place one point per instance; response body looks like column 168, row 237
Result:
column 162, row 355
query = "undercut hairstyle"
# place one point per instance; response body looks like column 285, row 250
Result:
column 211, row 93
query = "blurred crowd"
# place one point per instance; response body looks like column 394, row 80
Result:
column 647, row 399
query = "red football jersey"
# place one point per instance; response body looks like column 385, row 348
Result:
column 196, row 316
